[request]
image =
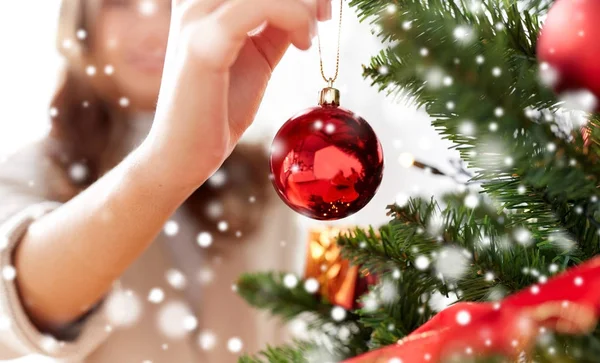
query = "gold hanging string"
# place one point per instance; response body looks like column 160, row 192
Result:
column 330, row 80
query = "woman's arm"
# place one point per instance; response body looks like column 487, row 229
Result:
column 68, row 258
column 214, row 77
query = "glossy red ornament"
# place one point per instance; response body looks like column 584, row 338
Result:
column 569, row 43
column 326, row 162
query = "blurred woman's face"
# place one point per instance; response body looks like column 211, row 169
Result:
column 129, row 46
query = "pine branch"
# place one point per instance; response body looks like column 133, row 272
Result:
column 267, row 291
column 282, row 354
column 505, row 143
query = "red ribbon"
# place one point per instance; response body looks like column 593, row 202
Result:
column 568, row 303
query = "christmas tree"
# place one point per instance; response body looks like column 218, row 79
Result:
column 505, row 250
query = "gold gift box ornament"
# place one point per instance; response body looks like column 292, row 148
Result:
column 340, row 283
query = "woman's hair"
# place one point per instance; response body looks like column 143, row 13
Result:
column 87, row 114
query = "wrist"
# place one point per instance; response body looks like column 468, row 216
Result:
column 148, row 166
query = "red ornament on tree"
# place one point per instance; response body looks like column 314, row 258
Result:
column 326, row 162
column 568, row 43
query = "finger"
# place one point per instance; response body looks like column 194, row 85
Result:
column 241, row 16
column 273, row 42
column 324, row 10
column 191, row 10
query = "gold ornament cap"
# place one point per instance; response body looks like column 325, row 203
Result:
column 329, row 96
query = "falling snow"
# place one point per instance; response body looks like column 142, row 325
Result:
column 463, row 317
column 78, row 172
column 175, row 319
column 176, row 279
column 422, row 262
column 338, row 313
column 9, row 272
column 290, row 281
column 123, row 308
column 523, row 236
column 207, row 340
column 311, row 285
column 156, row 295
column 451, row 263
column 204, row 239
column 234, row 345
column 171, row 228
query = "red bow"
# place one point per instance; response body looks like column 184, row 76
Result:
column 568, row 303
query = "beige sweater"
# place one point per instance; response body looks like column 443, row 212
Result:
column 192, row 323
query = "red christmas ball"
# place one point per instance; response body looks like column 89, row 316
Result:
column 326, row 162
column 569, row 43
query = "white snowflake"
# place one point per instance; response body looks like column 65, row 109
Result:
column 464, row 34
column 175, row 319
column 223, row 226
column 90, row 70
column 176, row 279
column 204, row 239
column 214, row 209
column 109, row 70
column 562, row 242
column 171, row 228
column 9, row 272
column 448, row 81
column 523, row 236
column 401, row 199
column 467, row 128
column 218, row 179
column 338, row 313
column 463, row 317
column 406, row 160
column 156, row 295
column 422, row 262
column 123, row 308
column 234, row 345
column 147, row 7
column 451, row 263
column 548, row 75
column 205, row 275
column 471, row 201
column 78, row 172
column 311, row 285
column 81, row 34
column 290, row 281
column 434, row 78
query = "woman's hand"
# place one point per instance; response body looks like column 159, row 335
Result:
column 216, row 73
